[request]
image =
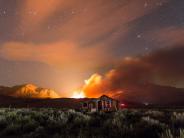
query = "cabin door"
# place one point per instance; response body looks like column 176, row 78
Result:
column 99, row 105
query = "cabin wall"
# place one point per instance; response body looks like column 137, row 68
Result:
column 115, row 105
column 101, row 104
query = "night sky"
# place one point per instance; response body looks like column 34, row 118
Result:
column 60, row 43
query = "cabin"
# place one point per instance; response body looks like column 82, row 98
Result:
column 103, row 103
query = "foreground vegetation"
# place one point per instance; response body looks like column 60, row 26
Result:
column 132, row 123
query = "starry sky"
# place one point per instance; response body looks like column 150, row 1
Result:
column 59, row 43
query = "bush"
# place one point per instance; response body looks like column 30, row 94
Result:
column 128, row 123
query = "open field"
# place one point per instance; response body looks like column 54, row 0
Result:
column 128, row 123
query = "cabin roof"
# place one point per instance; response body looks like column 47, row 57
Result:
column 105, row 97
column 94, row 99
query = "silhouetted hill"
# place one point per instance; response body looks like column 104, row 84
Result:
column 140, row 95
column 28, row 91
column 68, row 103
column 153, row 94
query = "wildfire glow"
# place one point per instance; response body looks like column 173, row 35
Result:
column 78, row 94
column 94, row 79
column 89, row 89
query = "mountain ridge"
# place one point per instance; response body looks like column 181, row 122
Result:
column 28, row 91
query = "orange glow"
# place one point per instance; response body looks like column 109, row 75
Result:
column 78, row 94
column 96, row 86
column 94, row 79
column 93, row 86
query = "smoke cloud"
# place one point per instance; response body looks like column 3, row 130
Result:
column 143, row 78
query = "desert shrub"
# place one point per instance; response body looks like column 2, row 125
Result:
column 12, row 129
column 38, row 133
column 181, row 133
column 168, row 134
column 120, row 124
column 3, row 122
column 114, row 128
column 128, row 123
column 53, row 126
column 62, row 118
column 177, row 120
column 2, row 111
column 29, row 126
column 40, row 118
column 154, row 113
column 11, row 116
column 132, row 116
column 152, row 121
column 148, row 127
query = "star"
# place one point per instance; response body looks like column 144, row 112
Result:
column 4, row 12
column 159, row 3
column 32, row 13
column 146, row 48
column 139, row 36
column 23, row 34
column 48, row 27
column 73, row 12
column 145, row 4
